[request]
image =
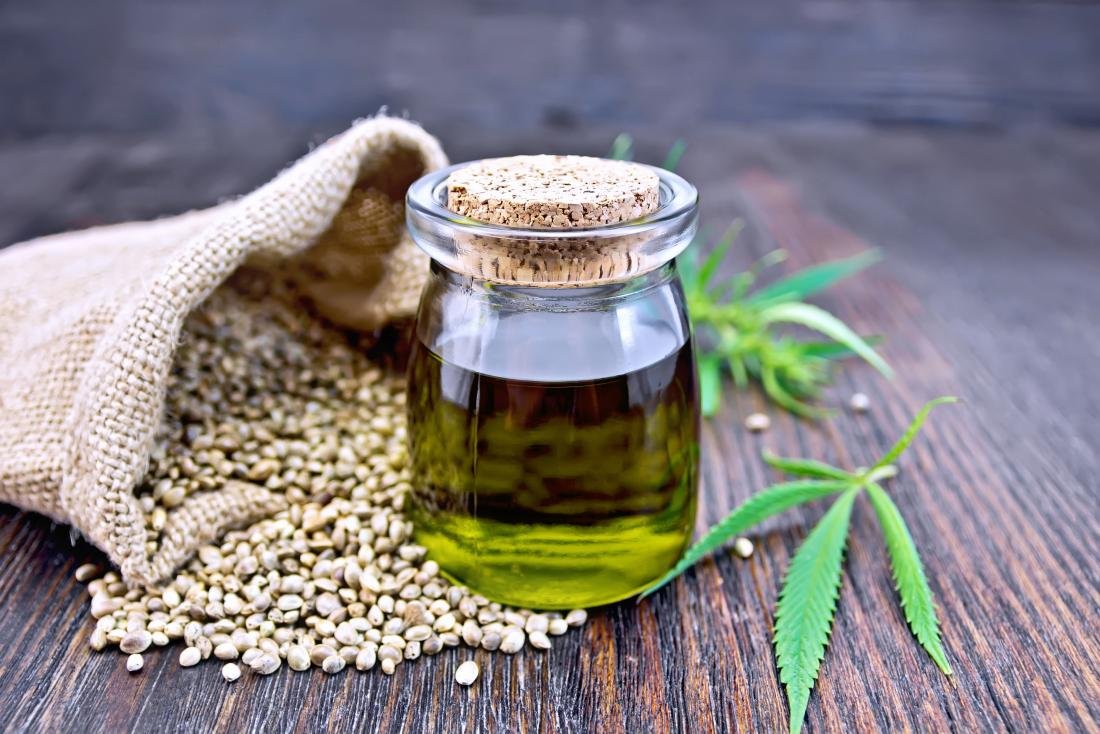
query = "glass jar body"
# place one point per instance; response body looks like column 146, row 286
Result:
column 553, row 436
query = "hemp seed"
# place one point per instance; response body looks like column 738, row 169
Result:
column 758, row 422
column 262, row 391
column 135, row 642
column 859, row 403
column 466, row 673
column 333, row 664
column 265, row 664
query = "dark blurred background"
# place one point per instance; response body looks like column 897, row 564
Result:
column 122, row 66
column 109, row 98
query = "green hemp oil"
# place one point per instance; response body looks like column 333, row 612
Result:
column 554, row 494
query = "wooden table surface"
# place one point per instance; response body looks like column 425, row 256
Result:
column 989, row 292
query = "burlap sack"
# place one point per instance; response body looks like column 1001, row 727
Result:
column 89, row 322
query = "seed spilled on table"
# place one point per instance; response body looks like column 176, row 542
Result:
column 758, row 422
column 262, row 392
column 859, row 402
column 466, row 673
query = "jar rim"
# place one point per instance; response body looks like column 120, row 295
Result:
column 564, row 257
column 427, row 196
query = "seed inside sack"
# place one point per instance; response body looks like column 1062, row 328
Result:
column 263, row 392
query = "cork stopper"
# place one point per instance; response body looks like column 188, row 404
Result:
column 552, row 221
column 553, row 191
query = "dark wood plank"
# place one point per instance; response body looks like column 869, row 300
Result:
column 987, row 292
column 245, row 69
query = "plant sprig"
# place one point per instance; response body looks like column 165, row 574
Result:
column 807, row 601
column 743, row 331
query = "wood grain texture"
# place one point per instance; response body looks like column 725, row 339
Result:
column 247, row 68
column 988, row 292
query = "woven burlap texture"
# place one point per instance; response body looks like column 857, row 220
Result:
column 89, row 322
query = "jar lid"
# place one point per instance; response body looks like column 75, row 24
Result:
column 553, row 191
column 552, row 221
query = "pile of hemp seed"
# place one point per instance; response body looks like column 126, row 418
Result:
column 263, row 391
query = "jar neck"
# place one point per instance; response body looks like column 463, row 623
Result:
column 550, row 260
column 554, row 298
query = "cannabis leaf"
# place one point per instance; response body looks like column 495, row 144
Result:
column 710, row 383
column 745, row 330
column 759, row 507
column 821, row 320
column 911, row 432
column 622, row 149
column 743, row 333
column 804, row 613
column 814, row 279
column 912, row 586
column 805, row 467
column 675, row 153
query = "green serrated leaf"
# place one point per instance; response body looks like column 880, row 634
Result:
column 911, row 432
column 767, row 260
column 737, row 369
column 820, row 320
column 909, row 579
column 710, row 266
column 675, row 153
column 834, row 350
column 806, row 467
column 710, row 384
column 809, row 281
column 622, row 148
column 688, row 269
column 734, row 288
column 743, row 281
column 804, row 614
column 780, row 395
column 759, row 507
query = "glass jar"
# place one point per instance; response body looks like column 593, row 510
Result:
column 553, row 415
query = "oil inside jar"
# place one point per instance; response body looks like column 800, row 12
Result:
column 554, row 493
